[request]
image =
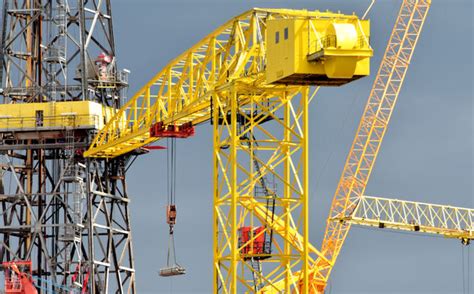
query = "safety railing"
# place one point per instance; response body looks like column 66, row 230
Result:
column 330, row 41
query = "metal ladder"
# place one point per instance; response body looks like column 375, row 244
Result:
column 257, row 274
column 265, row 189
column 72, row 231
column 73, row 176
column 69, row 137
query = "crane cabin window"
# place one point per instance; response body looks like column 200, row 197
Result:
column 277, row 37
column 285, row 33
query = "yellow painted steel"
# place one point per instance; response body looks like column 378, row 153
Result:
column 53, row 115
column 224, row 77
column 334, row 53
column 237, row 51
column 250, row 146
column 260, row 131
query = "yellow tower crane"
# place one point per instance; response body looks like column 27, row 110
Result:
column 251, row 80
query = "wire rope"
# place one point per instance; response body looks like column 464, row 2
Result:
column 463, row 270
column 368, row 9
column 171, row 197
column 468, row 269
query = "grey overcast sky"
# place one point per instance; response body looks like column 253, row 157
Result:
column 427, row 154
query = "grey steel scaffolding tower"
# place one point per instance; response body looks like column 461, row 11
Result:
column 66, row 214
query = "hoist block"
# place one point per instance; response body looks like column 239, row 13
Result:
column 171, row 214
column 161, row 130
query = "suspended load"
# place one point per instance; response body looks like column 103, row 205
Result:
column 172, row 271
column 172, row 267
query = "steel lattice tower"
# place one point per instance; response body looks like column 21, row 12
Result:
column 66, row 214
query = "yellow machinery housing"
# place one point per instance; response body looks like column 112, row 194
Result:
column 324, row 51
column 50, row 116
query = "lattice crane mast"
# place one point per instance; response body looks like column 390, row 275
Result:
column 400, row 215
column 250, row 78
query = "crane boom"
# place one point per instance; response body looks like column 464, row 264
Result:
column 443, row 220
column 399, row 215
column 237, row 51
column 373, row 125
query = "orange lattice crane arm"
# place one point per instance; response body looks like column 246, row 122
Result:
column 373, row 125
column 368, row 138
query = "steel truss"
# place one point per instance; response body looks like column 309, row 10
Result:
column 368, row 138
column 447, row 221
column 372, row 128
column 66, row 214
column 181, row 92
column 192, row 89
column 269, row 127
